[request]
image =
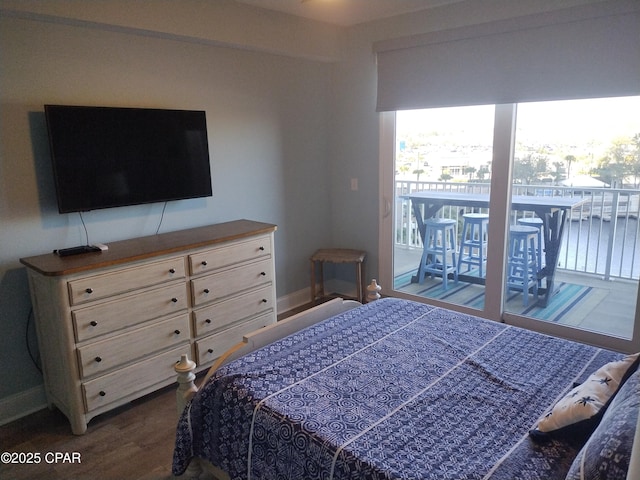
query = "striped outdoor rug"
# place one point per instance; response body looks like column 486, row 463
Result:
column 579, row 300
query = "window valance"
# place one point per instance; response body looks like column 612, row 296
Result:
column 580, row 52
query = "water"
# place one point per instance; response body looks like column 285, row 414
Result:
column 586, row 243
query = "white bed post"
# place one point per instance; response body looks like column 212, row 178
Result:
column 186, row 387
column 373, row 291
column 186, row 390
column 185, row 368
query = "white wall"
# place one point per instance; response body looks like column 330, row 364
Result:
column 267, row 117
column 219, row 22
column 291, row 112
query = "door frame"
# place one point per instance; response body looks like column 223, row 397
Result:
column 500, row 196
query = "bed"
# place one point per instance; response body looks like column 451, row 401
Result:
column 396, row 389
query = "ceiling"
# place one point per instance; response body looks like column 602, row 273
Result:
column 346, row 12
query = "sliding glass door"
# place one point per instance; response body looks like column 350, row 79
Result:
column 580, row 162
column 443, row 157
column 522, row 213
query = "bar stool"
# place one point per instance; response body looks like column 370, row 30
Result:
column 440, row 244
column 522, row 266
column 337, row 255
column 474, row 239
column 539, row 224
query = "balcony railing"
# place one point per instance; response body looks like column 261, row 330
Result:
column 601, row 236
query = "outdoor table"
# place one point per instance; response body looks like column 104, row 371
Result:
column 553, row 210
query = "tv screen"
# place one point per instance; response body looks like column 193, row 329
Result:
column 111, row 157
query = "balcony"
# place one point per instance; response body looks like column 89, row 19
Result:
column 599, row 252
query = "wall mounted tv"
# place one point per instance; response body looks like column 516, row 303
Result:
column 111, row 157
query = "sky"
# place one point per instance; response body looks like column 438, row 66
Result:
column 559, row 121
column 584, row 128
column 582, row 120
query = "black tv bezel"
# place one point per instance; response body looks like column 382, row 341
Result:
column 62, row 199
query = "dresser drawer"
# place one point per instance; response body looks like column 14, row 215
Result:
column 218, row 285
column 108, row 284
column 107, row 354
column 225, row 256
column 107, row 317
column 146, row 373
column 221, row 314
column 211, row 347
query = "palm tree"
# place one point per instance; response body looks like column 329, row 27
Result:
column 558, row 173
column 482, row 171
column 569, row 159
column 470, row 171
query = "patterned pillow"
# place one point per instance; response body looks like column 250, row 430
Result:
column 579, row 412
column 608, row 452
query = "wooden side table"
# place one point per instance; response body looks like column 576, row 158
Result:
column 337, row 255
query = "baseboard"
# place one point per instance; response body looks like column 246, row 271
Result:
column 22, row 404
column 340, row 287
column 293, row 300
column 302, row 297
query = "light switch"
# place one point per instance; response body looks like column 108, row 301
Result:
column 354, row 184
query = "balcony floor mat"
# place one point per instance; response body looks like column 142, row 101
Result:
column 569, row 305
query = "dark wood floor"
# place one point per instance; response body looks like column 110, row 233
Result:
column 132, row 442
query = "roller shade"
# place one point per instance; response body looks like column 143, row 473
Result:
column 580, row 52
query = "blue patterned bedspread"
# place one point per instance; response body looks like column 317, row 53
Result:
column 390, row 390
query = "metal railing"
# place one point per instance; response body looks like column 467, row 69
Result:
column 602, row 236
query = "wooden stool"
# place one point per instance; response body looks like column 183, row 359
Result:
column 337, row 255
column 475, row 240
column 539, row 224
column 522, row 266
column 439, row 246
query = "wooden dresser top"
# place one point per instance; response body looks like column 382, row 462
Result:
column 142, row 248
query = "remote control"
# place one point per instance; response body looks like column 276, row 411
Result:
column 65, row 252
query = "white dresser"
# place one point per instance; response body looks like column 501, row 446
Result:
column 111, row 325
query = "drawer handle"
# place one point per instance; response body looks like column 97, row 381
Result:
column 174, row 300
column 177, row 332
column 206, row 290
column 89, row 290
column 98, row 359
column 208, row 320
column 203, row 263
column 264, row 274
column 261, row 248
column 172, row 270
column 93, row 323
column 264, row 300
column 210, row 350
column 102, row 393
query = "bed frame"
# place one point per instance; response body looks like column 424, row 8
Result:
column 185, row 368
column 187, row 388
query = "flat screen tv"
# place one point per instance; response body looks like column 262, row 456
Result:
column 111, row 157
